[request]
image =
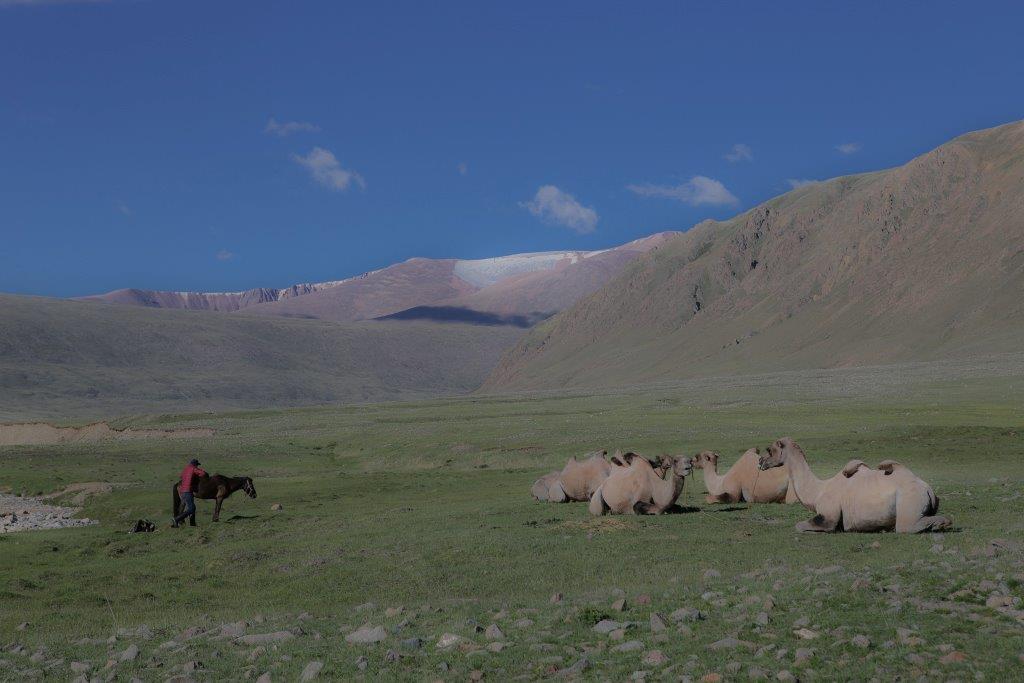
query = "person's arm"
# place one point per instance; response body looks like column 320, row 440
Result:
column 200, row 472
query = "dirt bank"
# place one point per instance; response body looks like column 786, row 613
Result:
column 19, row 513
column 43, row 434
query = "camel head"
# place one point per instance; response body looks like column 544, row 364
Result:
column 682, row 466
column 705, row 459
column 775, row 455
column 661, row 464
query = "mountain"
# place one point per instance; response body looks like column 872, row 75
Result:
column 516, row 288
column 919, row 262
column 71, row 359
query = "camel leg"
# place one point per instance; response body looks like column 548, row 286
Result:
column 827, row 520
column 791, row 496
column 725, row 497
column 556, row 494
column 597, row 505
column 641, row 508
column 912, row 516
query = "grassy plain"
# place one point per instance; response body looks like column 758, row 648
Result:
column 425, row 506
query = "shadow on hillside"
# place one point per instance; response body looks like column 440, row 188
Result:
column 457, row 314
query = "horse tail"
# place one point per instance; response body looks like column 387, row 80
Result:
column 175, row 500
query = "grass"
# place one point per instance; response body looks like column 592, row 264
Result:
column 425, row 506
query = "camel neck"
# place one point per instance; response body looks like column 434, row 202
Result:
column 712, row 479
column 805, row 484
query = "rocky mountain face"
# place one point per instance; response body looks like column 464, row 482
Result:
column 918, row 262
column 516, row 287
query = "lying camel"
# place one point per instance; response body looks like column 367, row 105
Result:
column 744, row 482
column 859, row 498
column 576, row 482
column 635, row 487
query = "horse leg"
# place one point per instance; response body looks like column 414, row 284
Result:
column 216, row 508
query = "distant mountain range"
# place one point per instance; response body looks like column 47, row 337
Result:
column 517, row 289
column 920, row 262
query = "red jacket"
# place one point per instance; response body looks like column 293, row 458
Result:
column 187, row 475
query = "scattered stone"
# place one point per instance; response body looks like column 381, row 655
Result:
column 805, row 634
column 576, row 669
column 769, row 603
column 655, row 658
column 266, row 638
column 23, row 625
column 733, row 667
column 657, row 623
column 619, row 605
column 802, row 655
column 496, row 647
column 756, row 673
column 801, row 622
column 365, row 607
column 711, row 678
column 311, row 671
column 391, row 657
column 954, row 657
column 476, row 675
column 362, row 662
column 366, row 635
column 80, row 667
column 233, row 630
column 712, row 574
column 276, row 507
column 130, row 653
column 785, row 675
column 523, row 623
column 412, row 643
column 448, row 640
column 192, row 666
column 392, row 611
column 629, row 646
column 915, row 658
column 761, row 619
column 908, row 637
column 265, row 678
column 643, row 599
column 257, row 653
column 606, row 626
column 556, row 598
column 494, row 633
column 861, row 641
column 617, row 634
column 998, row 601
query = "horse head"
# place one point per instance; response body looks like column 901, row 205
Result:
column 248, row 487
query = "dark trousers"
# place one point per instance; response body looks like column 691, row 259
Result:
column 188, row 503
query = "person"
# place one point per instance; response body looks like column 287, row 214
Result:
column 191, row 471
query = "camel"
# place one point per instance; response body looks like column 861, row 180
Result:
column 858, row 498
column 635, row 487
column 744, row 482
column 576, row 482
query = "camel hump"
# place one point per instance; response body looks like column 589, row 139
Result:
column 889, row 466
column 851, row 467
column 630, row 457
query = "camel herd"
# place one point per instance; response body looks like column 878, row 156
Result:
column 858, row 498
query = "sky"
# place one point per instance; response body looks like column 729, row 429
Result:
column 219, row 146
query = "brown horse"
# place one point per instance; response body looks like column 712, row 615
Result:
column 218, row 487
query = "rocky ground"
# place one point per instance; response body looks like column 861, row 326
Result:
column 23, row 513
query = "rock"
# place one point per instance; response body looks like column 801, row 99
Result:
column 619, row 605
column 686, row 614
column 192, row 666
column 657, row 623
column 276, row 507
column 606, row 626
column 494, row 633
column 954, row 657
column 523, row 623
column 556, row 598
column 496, row 647
column 761, row 619
column 476, row 675
column 365, row 607
column 311, row 671
column 448, row 640
column 730, row 643
column 861, row 641
column 785, row 675
column 265, row 678
column 654, row 658
column 768, row 604
column 629, row 646
column 733, row 667
column 802, row 655
column 805, row 634
column 23, row 625
column 392, row 611
column 755, row 673
column 266, row 638
column 617, row 634
column 256, row 653
column 997, row 601
column 130, row 653
column 915, row 658
column 908, row 637
column 366, row 635
column 80, row 667
column 412, row 643
column 362, row 662
column 801, row 622
column 712, row 574
column 643, row 599
column 391, row 657
column 711, row 678
column 576, row 669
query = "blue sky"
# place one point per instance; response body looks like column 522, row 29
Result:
column 226, row 145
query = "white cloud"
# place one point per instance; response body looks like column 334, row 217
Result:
column 796, row 183
column 697, row 191
column 555, row 206
column 463, row 168
column 285, row 129
column 123, row 208
column 848, row 147
column 325, row 169
column 225, row 255
column 740, row 152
